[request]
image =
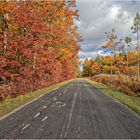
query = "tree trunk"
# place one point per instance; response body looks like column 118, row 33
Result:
column 138, row 51
column 111, row 67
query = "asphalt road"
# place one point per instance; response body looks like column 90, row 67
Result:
column 75, row 110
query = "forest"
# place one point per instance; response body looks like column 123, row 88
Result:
column 38, row 45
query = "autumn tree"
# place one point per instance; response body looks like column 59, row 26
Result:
column 37, row 51
column 111, row 43
column 106, row 64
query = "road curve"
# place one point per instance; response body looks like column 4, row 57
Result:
column 76, row 110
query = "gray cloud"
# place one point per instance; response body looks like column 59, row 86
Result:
column 99, row 16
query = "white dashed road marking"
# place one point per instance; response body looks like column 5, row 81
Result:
column 45, row 118
column 36, row 115
column 25, row 127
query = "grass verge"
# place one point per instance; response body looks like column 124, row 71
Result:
column 11, row 104
column 131, row 102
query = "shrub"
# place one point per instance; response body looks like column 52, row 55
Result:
column 128, row 85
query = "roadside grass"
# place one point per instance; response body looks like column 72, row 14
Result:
column 130, row 101
column 11, row 104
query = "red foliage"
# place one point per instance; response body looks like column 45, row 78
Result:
column 130, row 86
column 33, row 37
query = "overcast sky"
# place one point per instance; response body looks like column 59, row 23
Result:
column 100, row 16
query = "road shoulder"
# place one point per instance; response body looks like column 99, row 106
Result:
column 10, row 106
column 129, row 102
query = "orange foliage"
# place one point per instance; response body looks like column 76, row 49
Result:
column 118, row 64
column 38, row 44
